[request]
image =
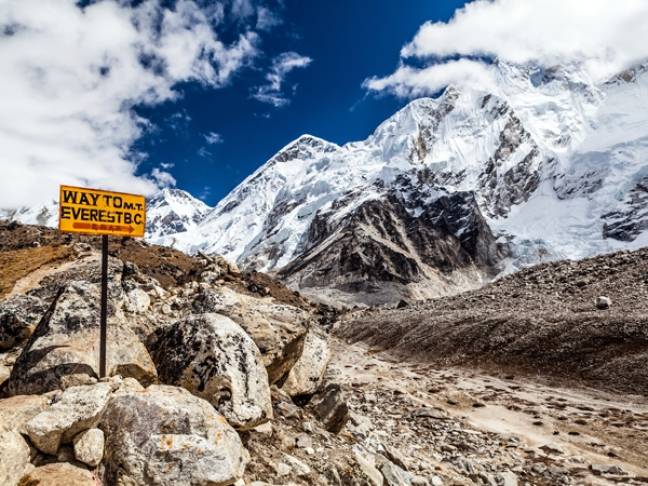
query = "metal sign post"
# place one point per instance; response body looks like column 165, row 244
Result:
column 98, row 212
column 103, row 329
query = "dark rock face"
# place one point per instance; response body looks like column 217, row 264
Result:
column 18, row 318
column 398, row 238
column 628, row 224
column 503, row 188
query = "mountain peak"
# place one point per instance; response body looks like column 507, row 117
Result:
column 304, row 147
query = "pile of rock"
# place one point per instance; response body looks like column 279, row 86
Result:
column 192, row 370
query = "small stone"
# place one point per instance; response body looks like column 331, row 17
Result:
column 137, row 301
column 436, row 481
column 264, row 429
column 297, row 466
column 287, row 409
column 603, row 302
column 89, row 447
column 367, row 466
column 600, row 469
column 282, row 469
column 507, row 478
column 429, row 412
column 394, row 475
column 395, row 456
column 303, row 441
column 551, row 450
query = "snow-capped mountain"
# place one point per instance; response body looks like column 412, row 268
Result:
column 446, row 193
column 168, row 212
column 173, row 211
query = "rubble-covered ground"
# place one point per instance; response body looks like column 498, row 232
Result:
column 581, row 322
column 225, row 377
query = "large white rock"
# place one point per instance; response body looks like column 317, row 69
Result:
column 89, row 446
column 64, row 349
column 79, row 409
column 306, row 375
column 136, row 300
column 277, row 329
column 211, row 356
column 164, row 435
column 14, row 458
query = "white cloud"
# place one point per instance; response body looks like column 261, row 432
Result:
column 605, row 36
column 407, row 81
column 272, row 92
column 213, row 138
column 204, row 153
column 71, row 77
column 267, row 19
column 163, row 178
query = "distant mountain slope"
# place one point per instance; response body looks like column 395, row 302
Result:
column 446, row 193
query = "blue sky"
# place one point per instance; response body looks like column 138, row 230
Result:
column 347, row 41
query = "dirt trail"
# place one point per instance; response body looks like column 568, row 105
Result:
column 465, row 425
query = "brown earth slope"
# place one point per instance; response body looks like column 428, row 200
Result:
column 25, row 248
column 540, row 321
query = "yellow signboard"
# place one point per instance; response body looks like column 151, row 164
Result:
column 97, row 212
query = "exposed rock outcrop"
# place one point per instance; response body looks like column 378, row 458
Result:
column 63, row 349
column 405, row 236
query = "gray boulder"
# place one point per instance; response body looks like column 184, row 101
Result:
column 305, row 377
column 63, row 350
column 18, row 318
column 278, row 330
column 212, row 357
column 166, row 436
